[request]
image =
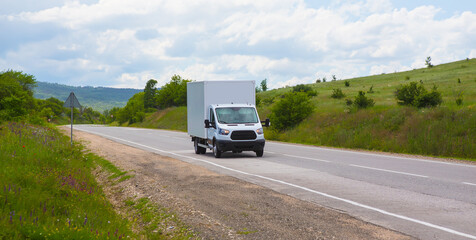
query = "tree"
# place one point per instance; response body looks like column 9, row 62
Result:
column 291, row 110
column 16, row 94
column 334, row 78
column 428, row 62
column 149, row 94
column 133, row 111
column 174, row 93
column 264, row 85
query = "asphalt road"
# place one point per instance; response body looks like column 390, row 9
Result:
column 424, row 198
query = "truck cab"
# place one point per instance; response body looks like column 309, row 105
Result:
column 234, row 127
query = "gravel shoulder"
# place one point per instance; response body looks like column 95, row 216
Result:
column 216, row 206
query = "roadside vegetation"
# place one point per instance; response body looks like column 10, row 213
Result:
column 48, row 191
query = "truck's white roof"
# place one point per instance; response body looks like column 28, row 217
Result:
column 231, row 105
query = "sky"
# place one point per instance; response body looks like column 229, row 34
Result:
column 124, row 43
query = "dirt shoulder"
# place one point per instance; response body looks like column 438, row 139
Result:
column 216, row 206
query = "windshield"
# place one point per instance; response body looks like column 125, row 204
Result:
column 237, row 115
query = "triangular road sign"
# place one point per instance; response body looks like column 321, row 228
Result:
column 72, row 101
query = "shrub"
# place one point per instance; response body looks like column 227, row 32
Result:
column 291, row 110
column 431, row 99
column 361, row 101
column 459, row 101
column 348, row 102
column 337, row 93
column 371, row 90
column 306, row 89
column 347, row 83
column 416, row 95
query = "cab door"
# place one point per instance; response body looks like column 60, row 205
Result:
column 212, row 129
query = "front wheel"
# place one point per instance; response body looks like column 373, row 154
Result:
column 259, row 153
column 216, row 151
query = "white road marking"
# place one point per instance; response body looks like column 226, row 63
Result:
column 390, row 171
column 381, row 155
column 314, row 159
column 467, row 183
column 445, row 229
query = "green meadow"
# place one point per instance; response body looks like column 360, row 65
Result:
column 448, row 130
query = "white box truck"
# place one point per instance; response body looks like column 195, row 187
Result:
column 221, row 116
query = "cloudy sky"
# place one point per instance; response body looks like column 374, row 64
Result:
column 124, row 43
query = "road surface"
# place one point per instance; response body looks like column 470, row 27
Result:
column 420, row 197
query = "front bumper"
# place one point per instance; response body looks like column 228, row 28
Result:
column 227, row 145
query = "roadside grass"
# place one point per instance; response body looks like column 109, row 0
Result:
column 445, row 131
column 48, row 191
column 174, row 118
column 441, row 132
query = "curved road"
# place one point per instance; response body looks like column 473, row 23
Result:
column 423, row 198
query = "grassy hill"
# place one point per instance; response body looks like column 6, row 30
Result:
column 447, row 131
column 99, row 98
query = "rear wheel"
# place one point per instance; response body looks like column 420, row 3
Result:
column 216, row 151
column 259, row 153
column 198, row 149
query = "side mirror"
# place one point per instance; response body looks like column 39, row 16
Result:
column 207, row 123
column 265, row 122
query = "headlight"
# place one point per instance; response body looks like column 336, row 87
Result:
column 259, row 131
column 223, row 131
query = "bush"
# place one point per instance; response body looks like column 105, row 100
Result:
column 337, row 93
column 361, row 101
column 348, row 102
column 371, row 90
column 291, row 110
column 306, row 89
column 414, row 94
column 347, row 83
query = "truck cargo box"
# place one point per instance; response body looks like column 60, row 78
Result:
column 202, row 94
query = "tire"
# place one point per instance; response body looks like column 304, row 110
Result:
column 198, row 149
column 259, row 153
column 216, row 151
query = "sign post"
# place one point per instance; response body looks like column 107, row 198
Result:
column 72, row 102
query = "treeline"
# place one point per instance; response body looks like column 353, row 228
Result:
column 17, row 103
column 174, row 93
column 99, row 98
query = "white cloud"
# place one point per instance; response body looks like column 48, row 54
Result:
column 120, row 42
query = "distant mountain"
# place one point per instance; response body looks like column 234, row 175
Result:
column 99, row 98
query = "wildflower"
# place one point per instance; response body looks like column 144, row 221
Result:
column 23, row 146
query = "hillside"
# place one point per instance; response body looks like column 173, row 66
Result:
column 99, row 98
column 446, row 131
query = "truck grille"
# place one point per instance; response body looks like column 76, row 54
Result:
column 243, row 135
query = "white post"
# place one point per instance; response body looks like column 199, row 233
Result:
column 71, row 101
